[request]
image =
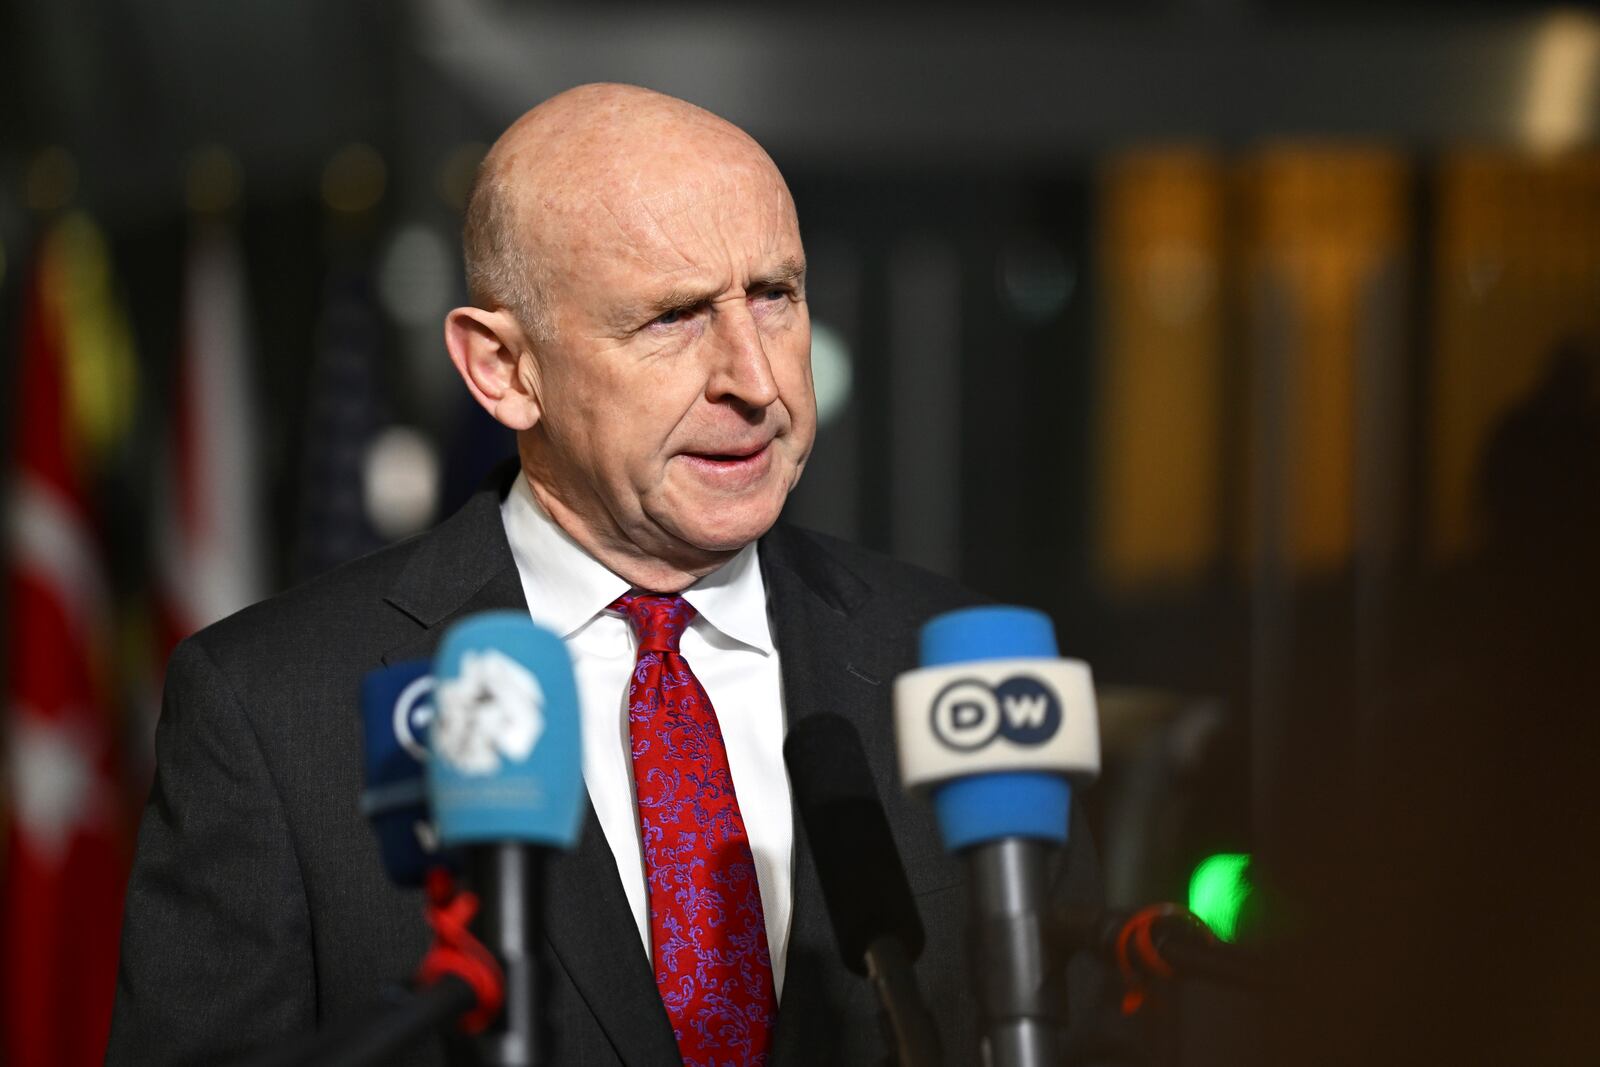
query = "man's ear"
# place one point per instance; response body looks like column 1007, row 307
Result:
column 486, row 347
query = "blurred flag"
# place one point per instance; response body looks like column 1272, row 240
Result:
column 66, row 848
column 347, row 411
column 208, row 537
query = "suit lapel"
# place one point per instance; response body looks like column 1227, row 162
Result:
column 826, row 665
column 592, row 932
column 841, row 643
column 464, row 567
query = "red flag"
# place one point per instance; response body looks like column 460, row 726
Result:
column 208, row 537
column 66, row 849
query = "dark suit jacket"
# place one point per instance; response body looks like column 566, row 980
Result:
column 258, row 906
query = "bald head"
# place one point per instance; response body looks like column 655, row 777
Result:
column 569, row 163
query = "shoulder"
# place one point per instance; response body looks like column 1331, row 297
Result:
column 351, row 616
column 321, row 627
column 328, row 599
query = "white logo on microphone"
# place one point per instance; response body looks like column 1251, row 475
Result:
column 413, row 714
column 493, row 709
column 968, row 714
column 1028, row 710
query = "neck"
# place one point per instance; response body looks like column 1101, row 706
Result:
column 669, row 571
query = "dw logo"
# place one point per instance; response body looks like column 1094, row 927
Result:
column 969, row 714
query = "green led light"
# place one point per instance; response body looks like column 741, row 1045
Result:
column 1218, row 889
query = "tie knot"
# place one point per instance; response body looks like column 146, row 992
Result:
column 659, row 621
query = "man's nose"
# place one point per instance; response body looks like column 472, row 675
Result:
column 740, row 370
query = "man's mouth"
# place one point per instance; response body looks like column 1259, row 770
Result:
column 741, row 454
column 736, row 468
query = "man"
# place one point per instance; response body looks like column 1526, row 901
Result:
column 640, row 321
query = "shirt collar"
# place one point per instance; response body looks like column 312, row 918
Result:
column 733, row 599
column 566, row 587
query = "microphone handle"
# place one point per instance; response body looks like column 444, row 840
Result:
column 506, row 876
column 907, row 1023
column 1017, row 998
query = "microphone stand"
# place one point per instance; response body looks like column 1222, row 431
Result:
column 480, row 971
column 908, row 1026
column 1017, row 1001
column 506, row 878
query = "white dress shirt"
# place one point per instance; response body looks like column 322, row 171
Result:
column 729, row 647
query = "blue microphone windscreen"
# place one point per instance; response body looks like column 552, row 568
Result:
column 506, row 761
column 396, row 710
column 991, row 632
column 990, row 800
column 988, row 807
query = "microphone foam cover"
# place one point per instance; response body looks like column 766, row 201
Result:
column 863, row 880
column 996, row 726
column 396, row 710
column 505, row 758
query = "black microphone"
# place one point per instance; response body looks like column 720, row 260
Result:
column 869, row 901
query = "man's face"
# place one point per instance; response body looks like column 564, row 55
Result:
column 676, row 406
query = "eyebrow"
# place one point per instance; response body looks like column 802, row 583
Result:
column 788, row 271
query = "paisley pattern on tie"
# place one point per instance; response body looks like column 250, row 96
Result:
column 707, row 932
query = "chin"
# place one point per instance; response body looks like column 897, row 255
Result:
column 717, row 527
column 720, row 514
column 729, row 537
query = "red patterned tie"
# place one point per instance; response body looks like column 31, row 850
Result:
column 707, row 933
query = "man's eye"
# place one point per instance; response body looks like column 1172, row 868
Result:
column 667, row 318
column 772, row 294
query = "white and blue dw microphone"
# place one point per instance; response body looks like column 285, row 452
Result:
column 997, row 729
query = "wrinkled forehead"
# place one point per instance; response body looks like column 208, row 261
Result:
column 659, row 206
column 672, row 215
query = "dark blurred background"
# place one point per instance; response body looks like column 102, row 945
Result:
column 1255, row 342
